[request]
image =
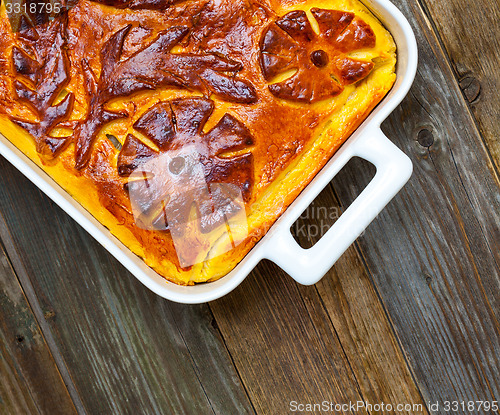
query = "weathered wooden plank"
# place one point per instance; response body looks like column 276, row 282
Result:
column 470, row 36
column 434, row 252
column 359, row 318
column 280, row 352
column 126, row 349
column 30, row 382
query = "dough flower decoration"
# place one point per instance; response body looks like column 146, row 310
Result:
column 320, row 62
column 212, row 170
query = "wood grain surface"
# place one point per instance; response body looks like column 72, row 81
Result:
column 409, row 314
column 29, row 379
column 434, row 252
column 470, row 37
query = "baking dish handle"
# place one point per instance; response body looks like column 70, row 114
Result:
column 393, row 169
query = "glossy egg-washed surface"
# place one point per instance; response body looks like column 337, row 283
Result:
column 266, row 90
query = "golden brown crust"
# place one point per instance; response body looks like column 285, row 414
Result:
column 104, row 89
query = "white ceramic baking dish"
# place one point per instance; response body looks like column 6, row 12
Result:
column 307, row 266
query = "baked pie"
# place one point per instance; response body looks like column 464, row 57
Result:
column 187, row 127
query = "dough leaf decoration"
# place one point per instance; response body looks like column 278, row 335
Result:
column 176, row 128
column 150, row 68
column 41, row 65
column 322, row 67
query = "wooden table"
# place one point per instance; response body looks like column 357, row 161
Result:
column 409, row 315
